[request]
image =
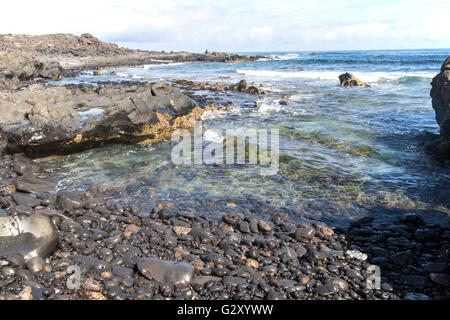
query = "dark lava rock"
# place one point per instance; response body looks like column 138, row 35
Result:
column 440, row 94
column 69, row 200
column 349, row 80
column 305, row 233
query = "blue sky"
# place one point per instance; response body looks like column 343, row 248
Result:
column 238, row 25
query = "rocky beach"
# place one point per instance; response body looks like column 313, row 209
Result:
column 97, row 242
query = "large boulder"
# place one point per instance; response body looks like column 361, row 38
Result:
column 440, row 94
column 18, row 65
column 349, row 80
column 76, row 118
column 48, row 126
column 128, row 116
column 23, row 66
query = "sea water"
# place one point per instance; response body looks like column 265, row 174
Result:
column 344, row 152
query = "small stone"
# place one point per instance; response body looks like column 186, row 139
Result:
column 36, row 264
column 304, row 280
column 326, row 290
column 69, row 226
column 95, row 295
column 252, row 263
column 231, row 218
column 244, row 227
column 265, row 226
column 91, row 285
column 130, row 229
column 338, row 283
column 106, row 275
column 305, row 233
column 69, row 200
column 441, row 279
column 181, row 230
column 355, row 254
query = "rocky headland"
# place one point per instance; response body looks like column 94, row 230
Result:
column 48, row 238
column 440, row 94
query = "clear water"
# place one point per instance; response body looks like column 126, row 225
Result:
column 345, row 151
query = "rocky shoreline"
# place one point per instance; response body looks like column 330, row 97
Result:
column 179, row 253
column 87, row 245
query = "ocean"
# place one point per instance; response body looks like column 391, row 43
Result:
column 344, row 152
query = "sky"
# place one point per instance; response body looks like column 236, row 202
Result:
column 239, row 25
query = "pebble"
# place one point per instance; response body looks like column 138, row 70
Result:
column 305, row 233
column 90, row 284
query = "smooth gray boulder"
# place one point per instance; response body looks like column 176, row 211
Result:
column 30, row 237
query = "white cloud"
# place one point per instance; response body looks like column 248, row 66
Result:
column 261, row 34
column 236, row 25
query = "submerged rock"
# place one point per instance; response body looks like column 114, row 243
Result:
column 166, row 271
column 349, row 80
column 30, row 237
column 440, row 94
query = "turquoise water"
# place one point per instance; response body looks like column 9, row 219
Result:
column 344, row 151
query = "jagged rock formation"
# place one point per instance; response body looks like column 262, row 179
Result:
column 440, row 94
column 38, row 120
column 349, row 80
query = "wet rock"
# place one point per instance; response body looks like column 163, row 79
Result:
column 440, row 94
column 90, row 263
column 264, row 226
column 414, row 280
column 326, row 290
column 47, row 126
column 436, row 267
column 69, row 226
column 231, row 218
column 305, row 233
column 349, row 80
column 427, row 235
column 416, row 296
column 24, row 165
column 441, row 279
column 166, row 271
column 34, row 185
column 69, row 200
column 26, row 200
column 342, row 285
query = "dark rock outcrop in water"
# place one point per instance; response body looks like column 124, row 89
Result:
column 349, row 80
column 440, row 94
column 61, row 120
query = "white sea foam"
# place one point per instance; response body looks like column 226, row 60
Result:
column 333, row 75
column 288, row 56
column 213, row 136
column 266, row 107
